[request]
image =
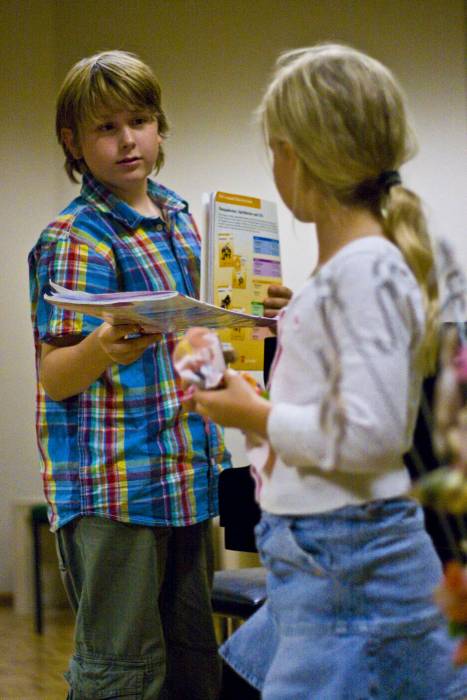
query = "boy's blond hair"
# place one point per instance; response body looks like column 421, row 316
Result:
column 344, row 114
column 112, row 79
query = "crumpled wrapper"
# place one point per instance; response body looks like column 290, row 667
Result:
column 199, row 358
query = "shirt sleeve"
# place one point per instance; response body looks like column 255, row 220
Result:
column 70, row 260
column 362, row 422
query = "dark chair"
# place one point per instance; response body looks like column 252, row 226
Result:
column 239, row 512
column 238, row 593
column 39, row 519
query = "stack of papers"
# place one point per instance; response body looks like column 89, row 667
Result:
column 154, row 312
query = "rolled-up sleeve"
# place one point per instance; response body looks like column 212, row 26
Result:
column 71, row 262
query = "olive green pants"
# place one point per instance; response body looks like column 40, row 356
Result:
column 141, row 596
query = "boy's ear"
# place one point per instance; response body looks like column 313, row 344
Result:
column 68, row 138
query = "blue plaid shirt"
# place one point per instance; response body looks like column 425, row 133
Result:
column 124, row 448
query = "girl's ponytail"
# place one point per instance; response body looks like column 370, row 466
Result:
column 405, row 225
column 344, row 115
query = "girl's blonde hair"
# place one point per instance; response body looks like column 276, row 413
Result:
column 344, row 114
column 113, row 80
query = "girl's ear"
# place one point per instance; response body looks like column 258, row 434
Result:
column 284, row 149
column 68, row 138
column 288, row 151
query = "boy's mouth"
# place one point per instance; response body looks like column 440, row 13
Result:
column 128, row 160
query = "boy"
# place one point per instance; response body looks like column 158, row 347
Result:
column 130, row 478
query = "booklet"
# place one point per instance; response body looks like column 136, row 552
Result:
column 155, row 312
column 241, row 259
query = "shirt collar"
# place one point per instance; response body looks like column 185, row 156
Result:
column 103, row 199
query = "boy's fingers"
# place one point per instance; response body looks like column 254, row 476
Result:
column 127, row 350
column 115, row 333
column 278, row 297
column 271, row 313
column 141, row 341
column 152, row 338
column 275, row 302
column 276, row 290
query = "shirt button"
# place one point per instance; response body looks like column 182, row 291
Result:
column 159, row 227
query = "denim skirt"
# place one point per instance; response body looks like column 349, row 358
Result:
column 350, row 612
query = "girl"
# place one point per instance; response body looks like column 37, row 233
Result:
column 351, row 570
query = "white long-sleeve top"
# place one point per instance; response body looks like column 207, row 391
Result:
column 344, row 383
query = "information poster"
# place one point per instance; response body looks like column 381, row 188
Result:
column 242, row 260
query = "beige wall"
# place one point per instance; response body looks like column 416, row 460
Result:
column 213, row 58
column 28, row 196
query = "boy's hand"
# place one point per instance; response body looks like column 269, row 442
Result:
column 278, row 297
column 121, row 349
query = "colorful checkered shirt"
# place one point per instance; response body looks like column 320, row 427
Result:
column 123, row 449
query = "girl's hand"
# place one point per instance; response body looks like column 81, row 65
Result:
column 238, row 405
column 116, row 344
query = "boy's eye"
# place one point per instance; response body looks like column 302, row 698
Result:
column 138, row 121
column 105, row 126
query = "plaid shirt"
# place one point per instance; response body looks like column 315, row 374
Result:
column 122, row 449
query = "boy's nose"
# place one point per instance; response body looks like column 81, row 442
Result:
column 126, row 136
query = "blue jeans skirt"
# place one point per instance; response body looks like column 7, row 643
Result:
column 350, row 612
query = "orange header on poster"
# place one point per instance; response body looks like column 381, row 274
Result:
column 226, row 198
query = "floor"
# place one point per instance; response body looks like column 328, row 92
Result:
column 32, row 666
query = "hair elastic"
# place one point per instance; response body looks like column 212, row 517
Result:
column 388, row 178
